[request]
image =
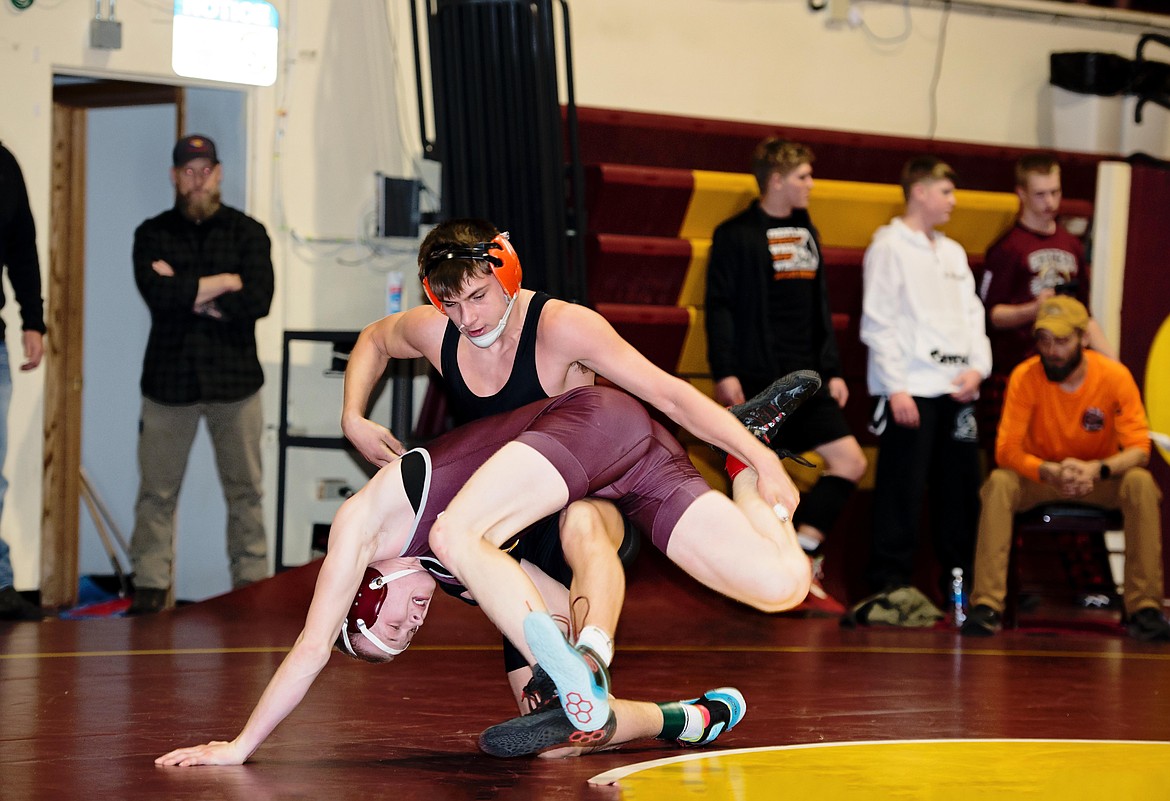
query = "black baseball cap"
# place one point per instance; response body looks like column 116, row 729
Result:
column 195, row 146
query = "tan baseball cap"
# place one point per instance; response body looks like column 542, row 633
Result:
column 1061, row 315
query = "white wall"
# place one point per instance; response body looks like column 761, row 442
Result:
column 343, row 107
column 775, row 61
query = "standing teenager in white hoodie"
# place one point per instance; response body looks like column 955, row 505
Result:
column 928, row 353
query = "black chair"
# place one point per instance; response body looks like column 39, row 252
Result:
column 1076, row 532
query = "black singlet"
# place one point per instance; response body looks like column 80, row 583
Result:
column 523, row 384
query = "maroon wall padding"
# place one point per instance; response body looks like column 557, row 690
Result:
column 662, row 140
column 1143, row 298
column 648, row 270
column 658, row 332
column 637, row 201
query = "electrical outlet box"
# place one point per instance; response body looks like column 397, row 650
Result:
column 330, row 488
column 105, row 34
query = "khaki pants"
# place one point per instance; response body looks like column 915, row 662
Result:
column 164, row 444
column 1137, row 496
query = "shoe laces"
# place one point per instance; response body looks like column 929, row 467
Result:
column 540, row 693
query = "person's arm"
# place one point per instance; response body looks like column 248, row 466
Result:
column 968, row 382
column 1097, row 339
column 246, row 295
column 1076, row 478
column 20, row 238
column 881, row 313
column 392, row 337
column 1000, row 266
column 830, row 357
column 582, row 335
column 1079, row 477
column 1017, row 315
column 1015, row 418
column 171, row 291
column 720, row 299
column 34, row 349
column 337, row 583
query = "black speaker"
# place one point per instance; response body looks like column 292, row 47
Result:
column 397, row 213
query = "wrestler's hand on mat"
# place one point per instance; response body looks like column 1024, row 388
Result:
column 373, row 441
column 217, row 752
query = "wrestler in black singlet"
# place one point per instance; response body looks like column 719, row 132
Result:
column 540, row 543
column 523, row 384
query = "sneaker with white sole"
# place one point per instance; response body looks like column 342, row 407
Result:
column 581, row 678
column 722, row 708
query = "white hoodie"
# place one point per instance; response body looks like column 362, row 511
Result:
column 921, row 318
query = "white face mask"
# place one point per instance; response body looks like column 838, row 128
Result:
column 377, row 584
column 486, row 340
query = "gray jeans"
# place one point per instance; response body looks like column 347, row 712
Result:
column 164, row 445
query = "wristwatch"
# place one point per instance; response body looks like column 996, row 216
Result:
column 1105, row 471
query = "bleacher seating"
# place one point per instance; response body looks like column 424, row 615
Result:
column 658, row 185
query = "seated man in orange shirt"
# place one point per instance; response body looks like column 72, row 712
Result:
column 1073, row 429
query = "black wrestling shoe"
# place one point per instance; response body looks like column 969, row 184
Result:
column 540, row 693
column 538, row 732
column 764, row 413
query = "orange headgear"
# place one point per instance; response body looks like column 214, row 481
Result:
column 505, row 264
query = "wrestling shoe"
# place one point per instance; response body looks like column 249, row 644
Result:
column 722, row 709
column 540, row 693
column 580, row 677
column 538, row 732
column 764, row 413
column 818, row 602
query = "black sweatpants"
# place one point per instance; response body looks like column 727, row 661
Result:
column 942, row 456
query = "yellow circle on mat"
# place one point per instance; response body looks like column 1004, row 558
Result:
column 1158, row 383
column 947, row 770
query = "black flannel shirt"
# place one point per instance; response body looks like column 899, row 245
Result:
column 18, row 246
column 194, row 357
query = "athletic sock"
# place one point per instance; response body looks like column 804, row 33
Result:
column 810, row 545
column 684, row 722
column 733, row 467
column 598, row 642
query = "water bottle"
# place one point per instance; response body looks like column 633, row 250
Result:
column 959, row 616
column 393, row 292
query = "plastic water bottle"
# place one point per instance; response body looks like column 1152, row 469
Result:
column 959, row 615
column 393, row 292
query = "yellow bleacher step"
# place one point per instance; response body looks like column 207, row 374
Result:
column 845, row 212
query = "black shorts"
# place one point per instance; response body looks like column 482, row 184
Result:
column 818, row 421
column 539, row 544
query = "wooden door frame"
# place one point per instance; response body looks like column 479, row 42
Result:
column 61, row 466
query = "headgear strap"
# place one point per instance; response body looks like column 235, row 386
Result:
column 366, row 606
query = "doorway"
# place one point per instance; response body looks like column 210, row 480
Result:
column 112, row 143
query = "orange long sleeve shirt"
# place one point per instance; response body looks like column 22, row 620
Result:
column 1043, row 423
